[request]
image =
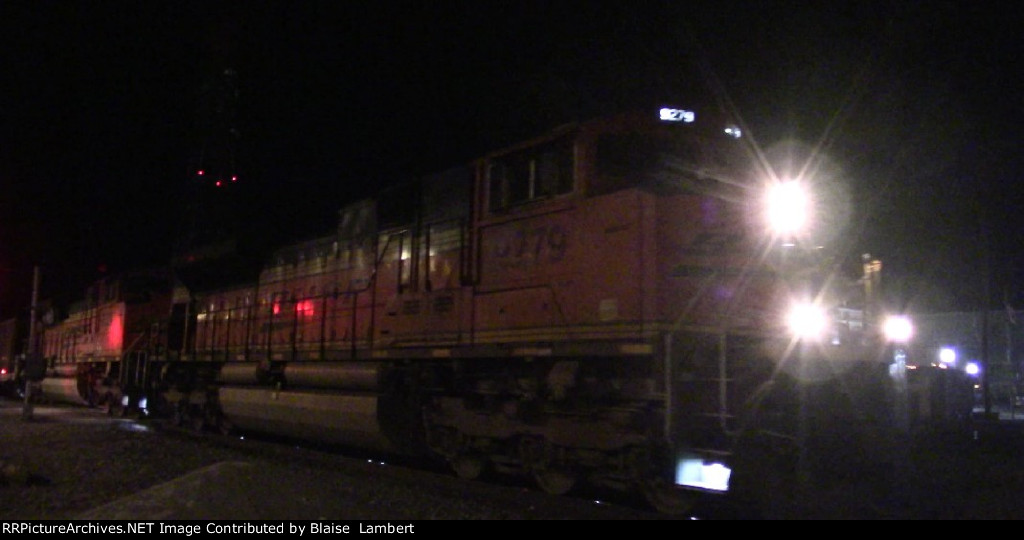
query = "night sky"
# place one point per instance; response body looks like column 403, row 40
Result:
column 916, row 106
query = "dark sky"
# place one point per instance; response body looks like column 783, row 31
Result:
column 916, row 105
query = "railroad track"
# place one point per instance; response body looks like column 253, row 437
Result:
column 432, row 482
column 155, row 452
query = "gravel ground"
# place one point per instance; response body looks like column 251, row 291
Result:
column 74, row 463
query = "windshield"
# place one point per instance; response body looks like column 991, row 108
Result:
column 670, row 159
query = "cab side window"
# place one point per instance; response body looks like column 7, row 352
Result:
column 534, row 173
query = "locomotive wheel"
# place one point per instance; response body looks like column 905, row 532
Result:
column 539, row 460
column 467, row 467
column 554, row 482
column 666, row 498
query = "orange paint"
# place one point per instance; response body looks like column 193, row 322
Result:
column 115, row 333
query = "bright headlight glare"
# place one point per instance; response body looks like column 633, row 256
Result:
column 898, row 328
column 807, row 321
column 787, row 208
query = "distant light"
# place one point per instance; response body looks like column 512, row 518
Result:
column 234, row 178
column 217, row 183
column 200, row 172
column 947, row 355
column 898, row 329
column 733, row 132
column 668, row 114
column 972, row 368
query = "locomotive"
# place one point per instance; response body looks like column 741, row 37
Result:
column 604, row 304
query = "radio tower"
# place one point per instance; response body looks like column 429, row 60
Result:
column 210, row 249
column 214, row 165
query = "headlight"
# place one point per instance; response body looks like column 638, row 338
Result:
column 787, row 208
column 807, row 321
column 897, row 329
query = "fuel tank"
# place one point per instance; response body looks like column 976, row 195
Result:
column 348, row 419
column 62, row 389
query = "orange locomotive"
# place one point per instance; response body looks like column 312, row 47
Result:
column 602, row 304
column 104, row 343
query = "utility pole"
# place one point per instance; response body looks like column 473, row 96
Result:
column 31, row 361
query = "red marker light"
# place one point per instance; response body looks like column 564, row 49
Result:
column 115, row 332
column 218, row 183
column 199, row 172
column 234, row 178
column 304, row 307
